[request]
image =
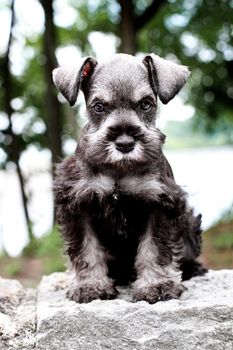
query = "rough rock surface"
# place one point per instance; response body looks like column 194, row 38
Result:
column 201, row 319
column 17, row 316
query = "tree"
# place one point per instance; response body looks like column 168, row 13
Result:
column 39, row 102
column 196, row 33
column 12, row 144
column 53, row 109
column 132, row 20
column 199, row 34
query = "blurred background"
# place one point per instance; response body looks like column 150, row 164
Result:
column 37, row 128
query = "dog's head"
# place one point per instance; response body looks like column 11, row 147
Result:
column 121, row 99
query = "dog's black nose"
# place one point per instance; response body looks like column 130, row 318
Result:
column 125, row 143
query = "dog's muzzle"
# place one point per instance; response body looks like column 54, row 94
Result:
column 124, row 137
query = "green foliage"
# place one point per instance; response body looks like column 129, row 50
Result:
column 49, row 249
column 32, row 247
column 218, row 242
column 224, row 241
column 199, row 34
column 41, row 256
column 91, row 16
column 12, row 269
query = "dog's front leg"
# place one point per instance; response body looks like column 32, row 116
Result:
column 91, row 270
column 154, row 281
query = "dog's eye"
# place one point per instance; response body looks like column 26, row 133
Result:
column 145, row 105
column 98, row 107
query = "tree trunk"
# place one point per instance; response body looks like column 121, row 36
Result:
column 127, row 29
column 25, row 200
column 53, row 108
column 130, row 24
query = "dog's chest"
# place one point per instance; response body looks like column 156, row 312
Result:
column 118, row 220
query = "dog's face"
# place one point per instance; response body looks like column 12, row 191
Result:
column 121, row 99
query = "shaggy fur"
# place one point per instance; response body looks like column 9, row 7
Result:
column 122, row 216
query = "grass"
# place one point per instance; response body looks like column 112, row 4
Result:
column 224, row 241
column 218, row 243
column 41, row 257
column 49, row 249
column 12, row 269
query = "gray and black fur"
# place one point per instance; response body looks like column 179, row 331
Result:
column 122, row 215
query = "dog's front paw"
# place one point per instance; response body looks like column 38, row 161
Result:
column 87, row 291
column 158, row 292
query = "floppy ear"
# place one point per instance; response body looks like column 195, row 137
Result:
column 167, row 78
column 68, row 79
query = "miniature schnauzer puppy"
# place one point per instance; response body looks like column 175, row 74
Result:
column 122, row 215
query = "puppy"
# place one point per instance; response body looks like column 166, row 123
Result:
column 122, row 215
